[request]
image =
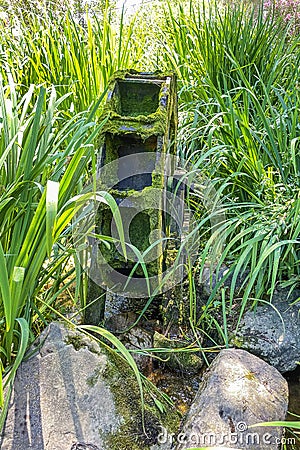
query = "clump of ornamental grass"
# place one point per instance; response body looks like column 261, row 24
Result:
column 239, row 71
column 77, row 58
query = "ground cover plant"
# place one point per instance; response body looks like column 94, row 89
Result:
column 238, row 74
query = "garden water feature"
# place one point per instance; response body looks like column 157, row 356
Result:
column 142, row 119
column 240, row 125
column 137, row 166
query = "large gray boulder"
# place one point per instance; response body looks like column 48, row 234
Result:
column 272, row 333
column 70, row 393
column 237, row 391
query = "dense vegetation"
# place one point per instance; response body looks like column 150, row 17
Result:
column 239, row 98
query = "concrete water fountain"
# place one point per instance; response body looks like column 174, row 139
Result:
column 137, row 166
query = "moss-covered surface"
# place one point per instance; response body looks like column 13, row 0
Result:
column 134, row 433
column 236, row 341
column 174, row 307
column 149, row 219
column 179, row 360
column 92, row 381
column 143, row 126
column 141, row 118
column 79, row 341
column 131, row 434
column 76, row 341
column 138, row 98
column 139, row 230
column 144, row 110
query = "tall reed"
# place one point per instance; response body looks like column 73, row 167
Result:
column 239, row 70
column 76, row 58
column 43, row 165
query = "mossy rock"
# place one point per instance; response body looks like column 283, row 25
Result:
column 178, row 359
column 72, row 391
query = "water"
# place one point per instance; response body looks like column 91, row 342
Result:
column 182, row 391
column 179, row 388
column 293, row 379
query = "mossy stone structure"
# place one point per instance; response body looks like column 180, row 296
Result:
column 141, row 113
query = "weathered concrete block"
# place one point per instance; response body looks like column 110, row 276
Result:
column 136, row 159
column 237, row 391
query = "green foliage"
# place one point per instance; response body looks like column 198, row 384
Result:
column 239, row 71
column 209, row 45
column 43, row 165
column 53, row 77
column 77, row 59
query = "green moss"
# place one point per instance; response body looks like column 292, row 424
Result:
column 92, row 380
column 126, row 393
column 139, row 230
column 139, row 115
column 174, row 305
column 143, row 126
column 138, row 98
column 236, row 341
column 139, row 109
column 78, row 342
column 157, row 180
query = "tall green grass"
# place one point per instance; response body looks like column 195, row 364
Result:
column 239, row 70
column 53, row 77
column 207, row 44
column 76, row 58
column 43, row 165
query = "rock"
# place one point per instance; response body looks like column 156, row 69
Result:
column 237, row 391
column 116, row 304
column 139, row 340
column 284, row 294
column 121, row 312
column 119, row 323
column 262, row 333
column 186, row 362
column 72, row 393
column 210, row 278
